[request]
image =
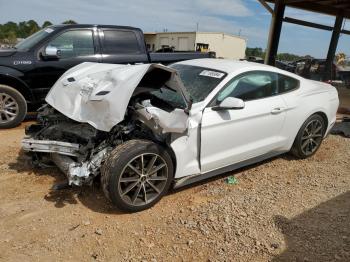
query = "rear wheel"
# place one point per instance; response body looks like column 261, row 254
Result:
column 310, row 137
column 13, row 107
column 136, row 175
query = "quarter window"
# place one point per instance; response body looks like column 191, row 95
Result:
column 286, row 84
column 74, row 43
column 120, row 42
column 250, row 86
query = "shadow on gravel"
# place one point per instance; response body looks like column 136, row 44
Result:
column 319, row 234
column 90, row 196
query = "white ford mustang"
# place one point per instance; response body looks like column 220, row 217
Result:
column 144, row 128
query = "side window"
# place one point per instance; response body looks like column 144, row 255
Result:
column 120, row 42
column 286, row 84
column 74, row 43
column 250, row 86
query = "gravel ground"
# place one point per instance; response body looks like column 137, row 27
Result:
column 280, row 210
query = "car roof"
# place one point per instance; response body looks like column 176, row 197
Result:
column 227, row 65
column 67, row 26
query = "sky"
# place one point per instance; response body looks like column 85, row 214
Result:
column 240, row 17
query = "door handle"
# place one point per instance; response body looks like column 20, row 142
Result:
column 277, row 110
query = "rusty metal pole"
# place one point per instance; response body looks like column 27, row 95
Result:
column 333, row 46
column 275, row 32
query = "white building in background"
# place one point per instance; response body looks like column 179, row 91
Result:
column 225, row 45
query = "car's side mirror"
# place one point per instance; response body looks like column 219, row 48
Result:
column 229, row 103
column 51, row 52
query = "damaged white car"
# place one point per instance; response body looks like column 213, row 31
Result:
column 144, row 128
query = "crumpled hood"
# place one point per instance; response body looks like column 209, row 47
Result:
column 99, row 94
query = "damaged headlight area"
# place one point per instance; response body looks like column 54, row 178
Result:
column 78, row 149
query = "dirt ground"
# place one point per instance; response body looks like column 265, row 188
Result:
column 281, row 210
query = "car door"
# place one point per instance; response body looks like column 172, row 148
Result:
column 232, row 136
column 75, row 46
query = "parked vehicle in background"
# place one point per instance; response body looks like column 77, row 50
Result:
column 254, row 59
column 285, row 66
column 28, row 71
column 313, row 68
column 145, row 128
column 279, row 64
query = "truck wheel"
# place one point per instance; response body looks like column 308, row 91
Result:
column 310, row 137
column 136, row 175
column 13, row 107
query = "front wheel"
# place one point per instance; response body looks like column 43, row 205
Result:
column 310, row 137
column 13, row 107
column 136, row 175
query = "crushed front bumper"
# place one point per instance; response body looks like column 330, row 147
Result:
column 49, row 146
column 63, row 155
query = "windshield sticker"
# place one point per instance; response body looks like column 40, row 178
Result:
column 212, row 74
column 49, row 30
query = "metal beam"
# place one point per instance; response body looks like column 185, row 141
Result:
column 333, row 45
column 305, row 23
column 267, row 7
column 275, row 32
column 318, row 6
column 313, row 25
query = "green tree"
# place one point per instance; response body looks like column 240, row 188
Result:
column 32, row 27
column 10, row 27
column 2, row 34
column 69, row 22
column 10, row 31
column 22, row 29
column 288, row 57
column 11, row 38
column 46, row 24
column 257, row 51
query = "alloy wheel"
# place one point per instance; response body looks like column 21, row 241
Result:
column 143, row 179
column 312, row 137
column 8, row 108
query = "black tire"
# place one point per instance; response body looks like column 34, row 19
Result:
column 306, row 144
column 116, row 169
column 13, row 107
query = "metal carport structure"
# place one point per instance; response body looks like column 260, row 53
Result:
column 338, row 8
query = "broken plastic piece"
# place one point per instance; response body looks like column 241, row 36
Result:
column 231, row 180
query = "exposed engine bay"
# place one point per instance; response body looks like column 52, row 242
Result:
column 73, row 129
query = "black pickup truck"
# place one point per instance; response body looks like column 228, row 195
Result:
column 29, row 70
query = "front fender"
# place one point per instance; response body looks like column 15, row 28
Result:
column 12, row 77
column 5, row 70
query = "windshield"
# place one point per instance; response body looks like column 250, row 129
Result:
column 32, row 40
column 198, row 81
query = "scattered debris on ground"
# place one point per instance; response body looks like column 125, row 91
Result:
column 281, row 210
